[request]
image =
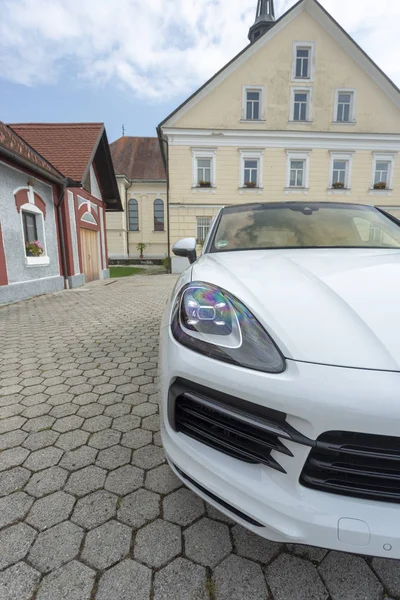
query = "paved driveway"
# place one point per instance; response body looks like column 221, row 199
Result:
column 88, row 508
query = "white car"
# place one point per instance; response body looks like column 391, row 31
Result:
column 280, row 373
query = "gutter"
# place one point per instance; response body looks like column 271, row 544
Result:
column 164, row 147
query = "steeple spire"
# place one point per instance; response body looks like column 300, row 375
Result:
column 265, row 18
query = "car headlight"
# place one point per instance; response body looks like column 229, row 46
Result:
column 210, row 321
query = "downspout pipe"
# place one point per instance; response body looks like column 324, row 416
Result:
column 165, row 156
column 61, row 234
column 127, row 221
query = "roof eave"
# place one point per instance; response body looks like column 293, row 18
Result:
column 32, row 166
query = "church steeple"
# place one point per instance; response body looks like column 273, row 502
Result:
column 265, row 18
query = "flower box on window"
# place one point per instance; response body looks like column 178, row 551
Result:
column 338, row 185
column 205, row 184
column 34, row 248
column 250, row 184
column 381, row 185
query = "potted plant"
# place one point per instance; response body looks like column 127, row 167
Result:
column 141, row 248
column 34, row 248
column 250, row 184
column 381, row 185
column 205, row 183
column 338, row 185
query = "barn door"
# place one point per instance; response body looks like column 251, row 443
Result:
column 90, row 256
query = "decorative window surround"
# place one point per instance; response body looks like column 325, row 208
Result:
column 303, row 156
column 311, row 68
column 389, row 157
column 257, row 155
column 301, row 90
column 34, row 261
column 353, row 105
column 347, row 157
column 253, row 88
column 37, row 261
column 199, row 153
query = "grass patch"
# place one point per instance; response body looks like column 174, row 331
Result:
column 125, row 271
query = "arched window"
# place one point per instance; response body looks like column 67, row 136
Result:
column 158, row 215
column 133, row 215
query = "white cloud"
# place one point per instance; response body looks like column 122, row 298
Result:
column 160, row 49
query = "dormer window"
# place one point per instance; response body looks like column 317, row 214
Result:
column 253, row 103
column 303, row 61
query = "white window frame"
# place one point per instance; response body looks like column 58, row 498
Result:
column 208, row 153
column 343, row 156
column 34, row 261
column 353, row 106
column 383, row 157
column 304, row 156
column 253, row 88
column 298, row 45
column 293, row 92
column 257, row 155
column 202, row 227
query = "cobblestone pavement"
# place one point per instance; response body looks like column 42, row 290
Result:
column 89, row 510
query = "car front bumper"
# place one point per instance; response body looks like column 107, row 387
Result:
column 316, row 399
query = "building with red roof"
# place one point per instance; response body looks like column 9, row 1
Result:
column 56, row 184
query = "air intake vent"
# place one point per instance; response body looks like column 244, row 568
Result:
column 235, row 427
column 355, row 464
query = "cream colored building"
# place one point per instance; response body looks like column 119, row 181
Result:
column 142, row 186
column 301, row 113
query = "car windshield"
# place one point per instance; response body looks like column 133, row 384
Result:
column 301, row 225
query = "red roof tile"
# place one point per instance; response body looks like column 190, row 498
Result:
column 138, row 158
column 11, row 142
column 67, row 146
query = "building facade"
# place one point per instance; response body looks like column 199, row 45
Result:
column 300, row 113
column 142, row 186
column 52, row 207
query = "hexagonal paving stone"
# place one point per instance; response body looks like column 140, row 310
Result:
column 89, row 479
column 95, row 509
column 13, row 480
column 38, row 410
column 90, row 410
column 73, row 581
column 60, row 399
column 308, row 552
column 113, row 457
column 135, row 399
column 10, row 424
column 15, row 542
column 41, row 439
column 109, row 399
column 14, row 508
column 348, row 577
column 64, row 410
column 144, row 410
column 136, row 439
column 148, row 457
column 250, row 545
column 388, row 572
column 68, row 423
column 18, row 582
column 50, row 510
column 294, row 578
column 152, row 423
column 44, row 458
column 207, row 542
column 107, row 545
column 85, row 396
column 56, row 546
column 181, row 580
column 126, row 423
column 238, row 578
column 138, row 508
column 12, row 457
column 183, row 507
column 126, row 581
column 104, row 439
column 124, row 480
column 12, row 439
column 46, row 482
column 97, row 423
column 117, row 410
column 72, row 439
column 39, row 423
column 162, row 480
column 79, row 458
column 158, row 543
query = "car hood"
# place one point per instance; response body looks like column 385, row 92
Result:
column 333, row 307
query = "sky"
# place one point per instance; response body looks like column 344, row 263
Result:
column 129, row 62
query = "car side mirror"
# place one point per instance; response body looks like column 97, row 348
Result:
column 186, row 248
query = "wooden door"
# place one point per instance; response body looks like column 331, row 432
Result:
column 90, row 255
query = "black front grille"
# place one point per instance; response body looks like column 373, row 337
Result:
column 355, row 464
column 235, row 427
